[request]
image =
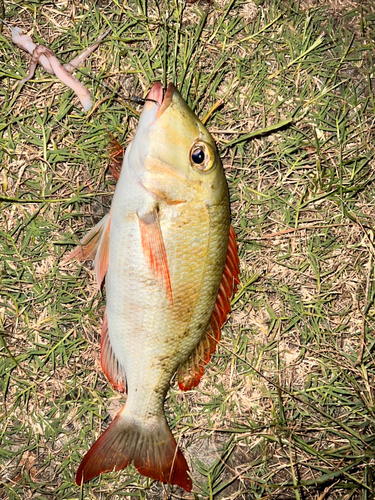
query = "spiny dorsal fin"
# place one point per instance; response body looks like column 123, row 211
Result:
column 95, row 246
column 110, row 365
column 154, row 249
column 190, row 373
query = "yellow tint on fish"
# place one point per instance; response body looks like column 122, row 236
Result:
column 163, row 249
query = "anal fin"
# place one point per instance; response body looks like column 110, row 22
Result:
column 190, row 373
column 110, row 365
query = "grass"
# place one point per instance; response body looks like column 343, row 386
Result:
column 286, row 406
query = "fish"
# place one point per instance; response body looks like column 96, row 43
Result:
column 169, row 257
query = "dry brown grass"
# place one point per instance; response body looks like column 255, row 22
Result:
column 286, row 407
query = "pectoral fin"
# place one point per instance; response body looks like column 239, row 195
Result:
column 154, row 249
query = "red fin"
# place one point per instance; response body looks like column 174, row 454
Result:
column 95, row 246
column 190, row 373
column 116, row 156
column 153, row 450
column 110, row 365
column 101, row 258
column 154, row 249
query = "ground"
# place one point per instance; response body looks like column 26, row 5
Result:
column 286, row 406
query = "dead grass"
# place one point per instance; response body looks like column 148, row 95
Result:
column 286, row 407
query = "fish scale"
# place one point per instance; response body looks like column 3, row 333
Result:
column 171, row 266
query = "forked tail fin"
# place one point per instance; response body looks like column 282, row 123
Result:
column 153, row 450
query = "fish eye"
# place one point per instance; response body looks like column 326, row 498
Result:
column 197, row 156
column 202, row 156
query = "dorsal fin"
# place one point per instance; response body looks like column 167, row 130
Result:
column 110, row 365
column 95, row 246
column 190, row 373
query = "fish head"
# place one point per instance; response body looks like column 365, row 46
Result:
column 172, row 154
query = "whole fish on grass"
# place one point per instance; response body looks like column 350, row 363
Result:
column 169, row 256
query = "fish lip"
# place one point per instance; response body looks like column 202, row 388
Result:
column 156, row 93
column 156, row 103
column 168, row 96
column 163, row 99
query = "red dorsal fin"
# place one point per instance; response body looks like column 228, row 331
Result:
column 110, row 365
column 95, row 246
column 190, row 373
column 154, row 249
column 153, row 450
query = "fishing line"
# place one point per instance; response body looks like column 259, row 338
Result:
column 136, row 99
column 6, row 24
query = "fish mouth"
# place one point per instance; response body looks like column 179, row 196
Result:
column 161, row 100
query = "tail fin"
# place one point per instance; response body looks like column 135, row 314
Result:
column 153, row 450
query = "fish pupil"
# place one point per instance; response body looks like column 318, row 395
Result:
column 198, row 156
